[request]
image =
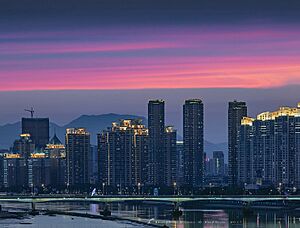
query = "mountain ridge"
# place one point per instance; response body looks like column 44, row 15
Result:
column 94, row 124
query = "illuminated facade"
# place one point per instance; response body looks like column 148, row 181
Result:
column 15, row 171
column 56, row 152
column 269, row 148
column 123, row 154
column 77, row 152
column 24, row 146
column 26, row 167
column 193, row 142
column 55, row 148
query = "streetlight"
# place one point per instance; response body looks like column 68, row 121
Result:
column 245, row 188
column 279, row 188
column 210, row 185
column 139, row 188
column 103, row 186
column 174, row 184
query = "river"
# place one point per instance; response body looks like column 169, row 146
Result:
column 154, row 214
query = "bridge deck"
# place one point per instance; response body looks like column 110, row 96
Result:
column 111, row 199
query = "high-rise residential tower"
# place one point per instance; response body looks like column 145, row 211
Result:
column 156, row 125
column 236, row 111
column 77, row 152
column 269, row 149
column 193, row 142
column 170, row 156
column 122, row 152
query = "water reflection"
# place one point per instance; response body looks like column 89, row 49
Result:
column 192, row 218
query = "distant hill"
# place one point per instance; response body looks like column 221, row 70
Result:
column 94, row 124
column 209, row 148
column 8, row 133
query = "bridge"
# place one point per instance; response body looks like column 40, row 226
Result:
column 244, row 202
column 166, row 199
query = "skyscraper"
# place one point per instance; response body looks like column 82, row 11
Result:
column 180, row 163
column 236, row 111
column 123, row 151
column 24, row 146
column 77, row 151
column 56, row 152
column 170, row 156
column 269, row 149
column 193, row 142
column 156, row 125
column 15, row 171
column 38, row 128
column 219, row 165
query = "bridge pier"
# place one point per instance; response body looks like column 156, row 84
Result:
column 33, row 209
column 247, row 210
column 105, row 212
column 32, row 206
column 176, row 213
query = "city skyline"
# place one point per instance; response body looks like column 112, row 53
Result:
column 82, row 53
column 167, row 113
column 50, row 104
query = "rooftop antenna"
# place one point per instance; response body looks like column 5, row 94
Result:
column 31, row 111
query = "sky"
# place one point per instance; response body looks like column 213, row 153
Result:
column 104, row 53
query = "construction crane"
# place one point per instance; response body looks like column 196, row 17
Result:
column 31, row 111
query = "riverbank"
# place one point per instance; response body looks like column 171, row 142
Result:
column 20, row 215
column 13, row 215
column 94, row 216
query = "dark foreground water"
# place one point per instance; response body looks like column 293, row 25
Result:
column 155, row 214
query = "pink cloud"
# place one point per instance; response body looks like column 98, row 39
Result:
column 174, row 58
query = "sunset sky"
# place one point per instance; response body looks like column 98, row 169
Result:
column 59, row 45
column 130, row 45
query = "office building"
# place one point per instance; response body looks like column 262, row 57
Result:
column 38, row 128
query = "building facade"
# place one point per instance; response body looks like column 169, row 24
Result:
column 170, row 156
column 193, row 142
column 219, row 163
column 269, row 149
column 156, row 126
column 38, row 128
column 236, row 111
column 123, row 154
column 77, row 152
